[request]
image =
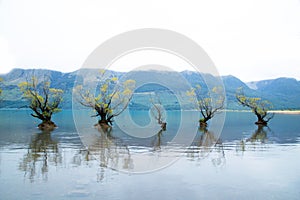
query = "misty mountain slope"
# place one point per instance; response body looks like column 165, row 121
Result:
column 284, row 93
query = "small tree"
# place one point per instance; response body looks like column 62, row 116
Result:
column 258, row 106
column 208, row 105
column 43, row 100
column 158, row 112
column 110, row 101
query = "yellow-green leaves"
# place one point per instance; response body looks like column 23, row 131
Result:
column 43, row 100
column 102, row 72
column 111, row 98
column 208, row 104
column 129, row 83
column 104, row 88
column 257, row 105
column 191, row 92
column 127, row 91
column 55, row 91
column 114, row 79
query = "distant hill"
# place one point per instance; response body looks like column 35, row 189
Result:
column 284, row 93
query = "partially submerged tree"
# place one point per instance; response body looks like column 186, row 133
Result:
column 158, row 112
column 110, row 101
column 258, row 106
column 43, row 100
column 209, row 104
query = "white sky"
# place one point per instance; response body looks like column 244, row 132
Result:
column 250, row 39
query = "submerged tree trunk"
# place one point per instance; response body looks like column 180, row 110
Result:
column 103, row 125
column 260, row 120
column 203, row 122
column 47, row 125
column 103, row 122
column 163, row 126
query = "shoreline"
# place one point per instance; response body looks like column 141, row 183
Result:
column 291, row 112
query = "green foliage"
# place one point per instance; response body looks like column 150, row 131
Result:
column 111, row 100
column 208, row 105
column 258, row 106
column 202, row 120
column 43, row 100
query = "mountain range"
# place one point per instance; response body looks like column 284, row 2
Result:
column 284, row 93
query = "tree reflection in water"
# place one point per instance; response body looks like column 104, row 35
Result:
column 104, row 149
column 208, row 145
column 259, row 137
column 42, row 152
column 109, row 150
column 156, row 143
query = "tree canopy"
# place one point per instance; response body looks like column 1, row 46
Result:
column 258, row 106
column 110, row 100
column 208, row 104
column 43, row 100
column 158, row 112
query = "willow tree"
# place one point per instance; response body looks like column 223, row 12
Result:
column 109, row 101
column 258, row 106
column 208, row 104
column 158, row 112
column 43, row 100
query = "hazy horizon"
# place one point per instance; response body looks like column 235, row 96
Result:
column 251, row 40
column 143, row 70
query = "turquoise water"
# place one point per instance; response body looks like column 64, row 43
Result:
column 244, row 162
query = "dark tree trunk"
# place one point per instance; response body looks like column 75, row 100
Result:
column 103, row 119
column 203, row 122
column 103, row 122
column 163, row 126
column 47, row 125
column 260, row 120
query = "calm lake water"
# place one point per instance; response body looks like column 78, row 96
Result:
column 245, row 162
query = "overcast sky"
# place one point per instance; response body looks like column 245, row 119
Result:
column 250, row 39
